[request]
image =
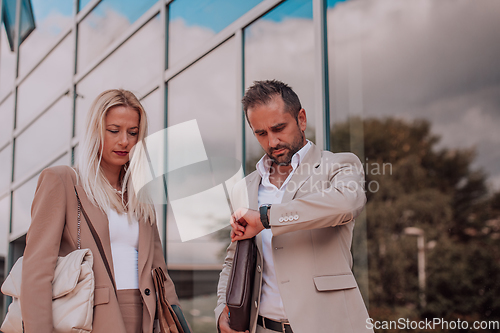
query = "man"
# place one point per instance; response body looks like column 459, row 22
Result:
column 300, row 204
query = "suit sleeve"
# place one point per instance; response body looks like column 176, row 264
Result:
column 223, row 279
column 337, row 200
column 48, row 217
column 159, row 261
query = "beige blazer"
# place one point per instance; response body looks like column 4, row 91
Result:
column 53, row 233
column 312, row 233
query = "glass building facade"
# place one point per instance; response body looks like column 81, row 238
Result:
column 411, row 87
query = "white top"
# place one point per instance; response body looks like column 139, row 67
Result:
column 124, row 238
column 271, row 305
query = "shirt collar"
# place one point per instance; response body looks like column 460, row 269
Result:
column 265, row 162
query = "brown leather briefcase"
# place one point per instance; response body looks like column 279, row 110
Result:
column 240, row 285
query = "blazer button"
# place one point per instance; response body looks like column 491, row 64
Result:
column 147, row 292
column 259, row 269
column 280, row 219
column 256, row 305
column 296, row 217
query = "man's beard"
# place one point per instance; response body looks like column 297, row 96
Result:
column 292, row 148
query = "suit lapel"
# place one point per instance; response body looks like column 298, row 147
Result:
column 303, row 172
column 99, row 221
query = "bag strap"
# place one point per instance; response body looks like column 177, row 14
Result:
column 96, row 238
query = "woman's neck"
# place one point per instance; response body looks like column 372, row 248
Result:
column 113, row 176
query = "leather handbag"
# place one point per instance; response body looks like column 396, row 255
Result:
column 240, row 285
column 72, row 292
column 170, row 320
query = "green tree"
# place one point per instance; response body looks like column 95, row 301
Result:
column 437, row 190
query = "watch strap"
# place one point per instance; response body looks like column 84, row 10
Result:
column 263, row 216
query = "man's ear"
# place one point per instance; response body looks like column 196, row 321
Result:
column 302, row 120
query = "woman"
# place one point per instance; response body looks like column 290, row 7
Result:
column 126, row 225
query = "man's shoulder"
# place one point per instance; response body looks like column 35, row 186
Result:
column 341, row 158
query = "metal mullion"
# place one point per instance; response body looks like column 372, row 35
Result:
column 321, row 75
column 136, row 26
column 228, row 32
column 73, row 87
column 240, row 88
column 17, row 38
column 163, row 105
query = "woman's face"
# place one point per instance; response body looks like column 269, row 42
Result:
column 121, row 131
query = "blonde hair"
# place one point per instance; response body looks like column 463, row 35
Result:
column 96, row 186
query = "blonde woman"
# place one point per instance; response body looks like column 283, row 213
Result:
column 126, row 225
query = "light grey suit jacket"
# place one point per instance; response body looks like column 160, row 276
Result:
column 312, row 234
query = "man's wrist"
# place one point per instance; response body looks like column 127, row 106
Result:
column 264, row 216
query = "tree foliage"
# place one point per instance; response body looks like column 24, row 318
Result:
column 437, row 190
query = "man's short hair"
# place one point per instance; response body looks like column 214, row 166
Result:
column 262, row 92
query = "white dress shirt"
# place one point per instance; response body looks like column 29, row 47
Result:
column 271, row 305
column 124, row 236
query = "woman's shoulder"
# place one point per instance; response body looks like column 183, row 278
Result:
column 64, row 172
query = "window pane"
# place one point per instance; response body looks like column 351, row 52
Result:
column 7, row 116
column 105, row 24
column 415, row 94
column 7, row 65
column 205, row 92
column 22, row 199
column 21, row 206
column 134, row 66
column 193, row 22
column 51, row 19
column 5, row 168
column 280, row 46
column 4, row 225
column 156, row 116
column 45, row 83
column 46, row 137
column 82, row 4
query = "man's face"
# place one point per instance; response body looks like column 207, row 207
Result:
column 277, row 130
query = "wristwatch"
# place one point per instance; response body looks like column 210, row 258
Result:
column 263, row 215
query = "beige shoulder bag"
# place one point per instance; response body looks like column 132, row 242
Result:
column 72, row 292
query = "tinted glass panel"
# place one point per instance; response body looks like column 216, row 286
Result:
column 46, row 83
column 46, row 137
column 82, row 4
column 7, row 116
column 156, row 116
column 5, row 168
column 51, row 19
column 134, row 66
column 7, row 65
column 205, row 92
column 280, row 46
column 193, row 22
column 21, row 206
column 4, row 225
column 105, row 24
column 415, row 94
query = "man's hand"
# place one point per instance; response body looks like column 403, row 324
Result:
column 224, row 322
column 245, row 223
